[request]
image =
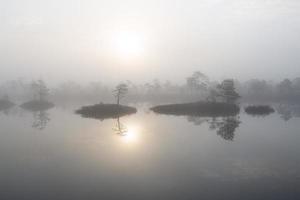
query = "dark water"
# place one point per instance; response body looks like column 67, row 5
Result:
column 59, row 155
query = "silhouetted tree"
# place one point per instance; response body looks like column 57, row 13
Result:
column 227, row 91
column 120, row 92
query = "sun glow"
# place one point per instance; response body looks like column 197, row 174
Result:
column 128, row 45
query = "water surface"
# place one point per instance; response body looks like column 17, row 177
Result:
column 57, row 154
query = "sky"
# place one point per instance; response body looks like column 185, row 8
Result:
column 139, row 40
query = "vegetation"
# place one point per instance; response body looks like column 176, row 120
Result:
column 197, row 87
column 198, row 109
column 120, row 92
column 259, row 110
column 105, row 111
column 40, row 92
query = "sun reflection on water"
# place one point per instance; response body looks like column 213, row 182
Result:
column 129, row 134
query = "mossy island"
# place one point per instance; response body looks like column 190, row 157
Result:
column 41, row 92
column 109, row 111
column 201, row 109
column 37, row 105
column 259, row 110
column 105, row 111
column 5, row 104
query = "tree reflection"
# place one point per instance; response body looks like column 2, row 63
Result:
column 197, row 120
column 41, row 119
column 40, row 115
column 287, row 112
column 224, row 126
column 120, row 128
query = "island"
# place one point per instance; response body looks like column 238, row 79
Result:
column 203, row 109
column 105, row 111
column 259, row 110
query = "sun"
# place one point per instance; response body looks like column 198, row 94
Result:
column 128, row 45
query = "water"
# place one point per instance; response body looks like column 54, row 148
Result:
column 59, row 155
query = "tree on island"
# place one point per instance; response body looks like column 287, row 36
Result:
column 227, row 91
column 197, row 82
column 40, row 89
column 120, row 92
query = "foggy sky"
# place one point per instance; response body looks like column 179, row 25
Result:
column 61, row 40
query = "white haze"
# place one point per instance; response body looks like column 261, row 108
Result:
column 62, row 40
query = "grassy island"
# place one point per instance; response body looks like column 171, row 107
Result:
column 37, row 105
column 105, row 111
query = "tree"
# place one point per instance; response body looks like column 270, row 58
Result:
column 227, row 91
column 40, row 89
column 120, row 92
column 198, row 81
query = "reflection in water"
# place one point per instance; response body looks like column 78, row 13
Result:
column 41, row 118
column 120, row 128
column 129, row 134
column 287, row 112
column 5, row 111
column 197, row 120
column 40, row 115
column 224, row 126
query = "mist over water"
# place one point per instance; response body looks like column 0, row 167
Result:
column 161, row 99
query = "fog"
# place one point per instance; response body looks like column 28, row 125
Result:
column 149, row 99
column 64, row 40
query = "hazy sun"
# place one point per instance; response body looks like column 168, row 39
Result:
column 128, row 45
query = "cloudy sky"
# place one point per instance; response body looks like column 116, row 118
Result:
column 109, row 41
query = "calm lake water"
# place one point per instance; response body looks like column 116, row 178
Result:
column 60, row 155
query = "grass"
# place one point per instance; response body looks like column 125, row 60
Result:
column 213, row 109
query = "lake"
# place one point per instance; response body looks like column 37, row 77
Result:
column 57, row 154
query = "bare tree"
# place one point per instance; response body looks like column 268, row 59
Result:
column 120, row 92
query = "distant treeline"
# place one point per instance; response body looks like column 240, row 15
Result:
column 197, row 87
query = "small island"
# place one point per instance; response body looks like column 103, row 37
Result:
column 259, row 110
column 105, row 111
column 108, row 111
column 39, row 103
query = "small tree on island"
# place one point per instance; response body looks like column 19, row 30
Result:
column 227, row 91
column 120, row 92
column 40, row 89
